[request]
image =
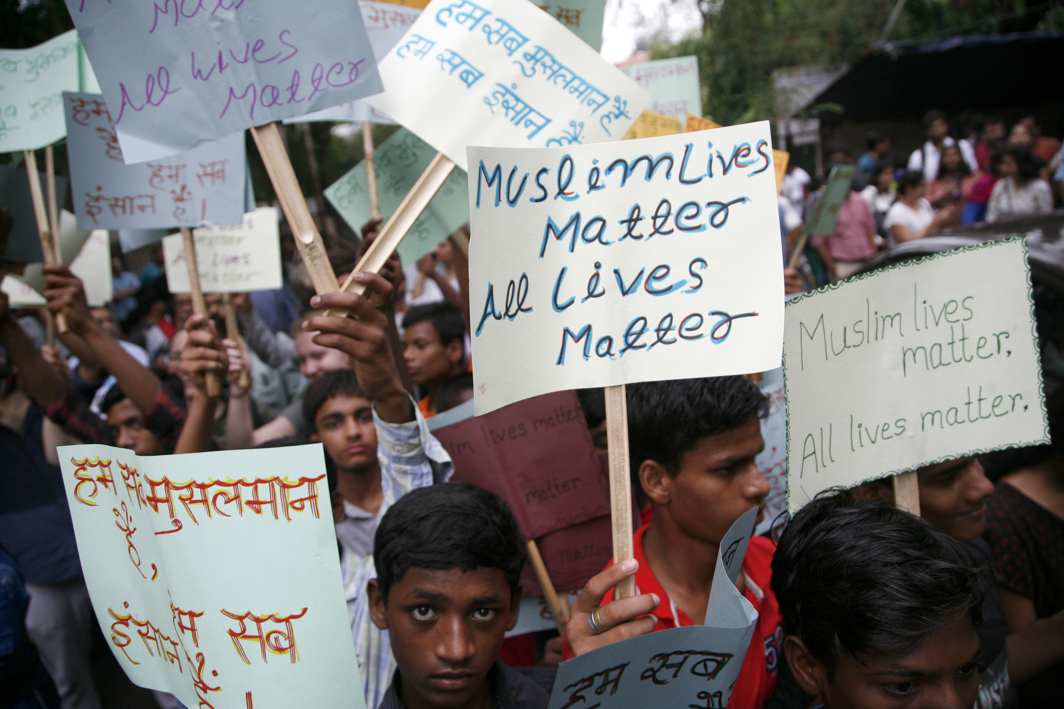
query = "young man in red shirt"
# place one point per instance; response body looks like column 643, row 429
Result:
column 692, row 445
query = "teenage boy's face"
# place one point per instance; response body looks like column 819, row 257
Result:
column 953, row 497
column 941, row 673
column 717, row 482
column 344, row 425
column 446, row 628
column 427, row 359
column 127, row 422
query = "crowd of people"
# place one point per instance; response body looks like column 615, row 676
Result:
column 987, row 172
column 859, row 604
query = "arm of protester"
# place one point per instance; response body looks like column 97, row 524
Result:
column 792, row 281
column 66, row 294
column 36, row 376
column 239, row 426
column 620, row 620
column 201, row 355
column 275, row 351
column 1033, row 645
column 393, row 273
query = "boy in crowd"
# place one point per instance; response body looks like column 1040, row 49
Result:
column 434, row 350
column 880, row 608
column 692, row 446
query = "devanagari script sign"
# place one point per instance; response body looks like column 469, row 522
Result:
column 694, row 666
column 177, row 74
column 214, row 576
column 245, row 257
column 672, row 83
column 581, row 17
column 624, row 262
column 400, row 160
column 510, row 73
column 203, row 185
column 31, row 85
column 925, row 362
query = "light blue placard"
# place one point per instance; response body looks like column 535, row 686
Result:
column 206, row 185
column 400, row 160
column 177, row 74
column 582, row 17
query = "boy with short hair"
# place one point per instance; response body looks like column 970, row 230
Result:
column 433, row 349
column 880, row 608
column 692, row 445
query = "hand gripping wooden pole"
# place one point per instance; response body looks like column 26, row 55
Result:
column 199, row 304
column 294, row 205
column 44, row 230
column 620, row 483
column 907, row 492
column 371, row 171
column 232, row 331
column 558, row 607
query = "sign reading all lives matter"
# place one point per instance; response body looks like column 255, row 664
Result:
column 510, row 75
column 623, row 262
column 176, row 74
column 912, row 365
column 214, row 576
column 236, row 259
column 204, row 185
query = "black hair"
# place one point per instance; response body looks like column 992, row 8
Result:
column 453, row 392
column 872, row 139
column 593, row 402
column 1028, row 165
column 668, row 418
column 964, row 168
column 114, row 396
column 866, row 579
column 932, row 116
column 911, row 179
column 328, row 386
column 448, row 526
column 445, row 318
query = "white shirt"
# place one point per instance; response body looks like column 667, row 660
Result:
column 915, row 220
column 930, row 170
column 793, row 185
column 1010, row 200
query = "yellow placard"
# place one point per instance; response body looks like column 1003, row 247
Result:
column 699, row 123
column 419, row 4
column 780, row 158
column 652, row 125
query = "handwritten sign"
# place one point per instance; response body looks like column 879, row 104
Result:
column 672, row 84
column 536, row 455
column 510, row 72
column 652, row 125
column 20, row 295
column 573, row 555
column 825, row 214
column 925, row 362
column 236, row 259
column 400, row 160
column 89, row 255
column 581, row 17
column 178, row 74
column 204, row 185
column 214, row 576
column 694, row 666
column 31, row 85
column 385, row 24
column 624, row 262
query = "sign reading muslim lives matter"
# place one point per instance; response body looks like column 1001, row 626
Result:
column 622, row 262
column 214, row 576
column 176, row 74
column 504, row 73
column 203, row 185
column 924, row 362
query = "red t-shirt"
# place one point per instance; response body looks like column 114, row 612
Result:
column 757, row 678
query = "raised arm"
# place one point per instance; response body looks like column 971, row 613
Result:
column 36, row 377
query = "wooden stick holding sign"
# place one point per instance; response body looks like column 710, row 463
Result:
column 294, row 206
column 620, row 482
column 799, row 236
column 53, row 207
column 558, row 608
column 371, row 171
column 399, row 223
column 44, row 231
column 199, row 305
column 907, row 492
column 232, row 331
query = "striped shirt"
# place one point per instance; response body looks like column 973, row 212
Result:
column 410, row 457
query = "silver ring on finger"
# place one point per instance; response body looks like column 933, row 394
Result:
column 595, row 623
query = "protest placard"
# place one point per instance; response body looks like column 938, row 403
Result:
column 573, row 555
column 31, row 85
column 926, row 361
column 204, row 185
column 672, row 84
column 176, row 75
column 564, row 289
column 88, row 254
column 694, row 666
column 512, row 76
column 20, row 295
column 826, row 212
column 400, row 160
column 581, row 17
column 536, row 455
column 23, row 244
column 385, row 24
column 236, row 259
column 214, row 576
column 652, row 125
column 772, row 461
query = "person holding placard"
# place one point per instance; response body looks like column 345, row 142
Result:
column 434, row 349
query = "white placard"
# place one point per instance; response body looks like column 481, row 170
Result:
column 502, row 73
column 624, row 262
column 19, row 295
column 673, row 85
column 246, row 257
column 912, row 365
